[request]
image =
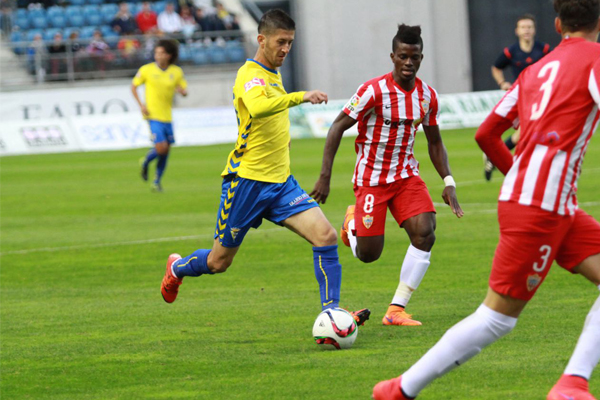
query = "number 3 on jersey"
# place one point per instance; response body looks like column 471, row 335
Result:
column 545, row 251
column 538, row 109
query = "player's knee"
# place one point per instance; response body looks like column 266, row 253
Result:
column 368, row 256
column 327, row 237
column 424, row 241
column 220, row 265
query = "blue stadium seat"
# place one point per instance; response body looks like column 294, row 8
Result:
column 49, row 34
column 57, row 17
column 199, row 54
column 159, row 6
column 37, row 19
column 235, row 52
column 92, row 15
column 77, row 2
column 217, row 54
column 17, row 37
column 87, row 32
column 108, row 12
column 134, row 8
column 184, row 53
column 22, row 21
column 75, row 16
column 95, row 2
column 21, row 12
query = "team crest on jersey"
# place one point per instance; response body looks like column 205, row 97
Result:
column 533, row 281
column 254, row 82
column 234, row 232
column 425, row 105
column 368, row 221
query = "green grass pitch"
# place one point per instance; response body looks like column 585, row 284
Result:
column 84, row 243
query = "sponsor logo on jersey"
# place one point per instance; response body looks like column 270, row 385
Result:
column 533, row 281
column 298, row 199
column 354, row 101
column 368, row 221
column 43, row 136
column 254, row 82
column 234, row 232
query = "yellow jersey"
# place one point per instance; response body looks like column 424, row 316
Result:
column 160, row 88
column 261, row 104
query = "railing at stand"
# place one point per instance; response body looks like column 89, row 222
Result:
column 80, row 59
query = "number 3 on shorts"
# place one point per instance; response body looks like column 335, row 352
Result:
column 369, row 201
column 545, row 250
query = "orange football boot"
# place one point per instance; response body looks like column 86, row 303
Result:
column 570, row 387
column 344, row 229
column 389, row 390
column 361, row 316
column 170, row 283
column 396, row 315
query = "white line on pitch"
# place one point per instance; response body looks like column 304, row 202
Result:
column 129, row 243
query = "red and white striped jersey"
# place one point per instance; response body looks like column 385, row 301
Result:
column 556, row 102
column 388, row 118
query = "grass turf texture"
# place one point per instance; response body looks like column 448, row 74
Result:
column 84, row 243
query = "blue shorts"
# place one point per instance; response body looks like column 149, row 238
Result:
column 161, row 131
column 245, row 202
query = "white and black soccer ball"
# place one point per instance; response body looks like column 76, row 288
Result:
column 335, row 329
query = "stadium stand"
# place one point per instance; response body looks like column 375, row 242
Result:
column 219, row 43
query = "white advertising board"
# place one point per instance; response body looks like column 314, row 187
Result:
column 58, row 103
column 40, row 136
column 111, row 132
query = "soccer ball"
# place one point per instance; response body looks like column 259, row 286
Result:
column 335, row 329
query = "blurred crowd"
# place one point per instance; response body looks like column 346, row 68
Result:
column 123, row 39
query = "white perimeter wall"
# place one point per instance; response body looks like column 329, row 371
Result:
column 343, row 43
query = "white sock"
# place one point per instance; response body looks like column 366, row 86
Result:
column 587, row 352
column 461, row 342
column 413, row 270
column 351, row 237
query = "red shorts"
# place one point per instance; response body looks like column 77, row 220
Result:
column 531, row 239
column 405, row 198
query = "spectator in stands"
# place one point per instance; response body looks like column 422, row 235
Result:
column 75, row 48
column 99, row 51
column 6, row 19
column 204, row 22
column 123, row 21
column 128, row 48
column 169, row 21
column 222, row 13
column 189, row 23
column 147, row 19
column 57, row 51
column 36, row 56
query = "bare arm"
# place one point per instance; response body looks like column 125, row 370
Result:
column 341, row 124
column 439, row 158
column 145, row 112
column 498, row 76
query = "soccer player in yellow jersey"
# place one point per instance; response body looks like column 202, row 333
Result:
column 162, row 79
column 257, row 183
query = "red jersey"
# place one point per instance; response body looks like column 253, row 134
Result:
column 146, row 21
column 556, row 102
column 388, row 119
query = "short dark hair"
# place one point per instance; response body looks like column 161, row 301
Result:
column 578, row 15
column 409, row 35
column 525, row 16
column 276, row 19
column 171, row 48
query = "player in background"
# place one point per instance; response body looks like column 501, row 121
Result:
column 257, row 183
column 556, row 101
column 519, row 56
column 389, row 110
column 162, row 79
